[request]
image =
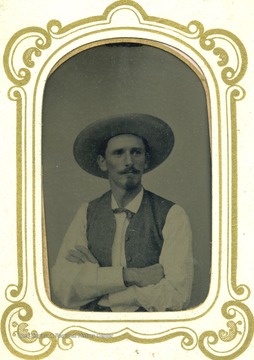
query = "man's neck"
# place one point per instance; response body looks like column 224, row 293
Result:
column 123, row 197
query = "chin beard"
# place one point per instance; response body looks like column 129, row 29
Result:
column 131, row 185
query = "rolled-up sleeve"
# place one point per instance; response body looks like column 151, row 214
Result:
column 173, row 292
column 77, row 284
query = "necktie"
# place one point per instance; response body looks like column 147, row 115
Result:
column 129, row 214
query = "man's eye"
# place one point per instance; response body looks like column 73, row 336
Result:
column 137, row 152
column 118, row 152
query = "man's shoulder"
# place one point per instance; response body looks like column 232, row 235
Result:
column 100, row 199
column 160, row 206
column 157, row 198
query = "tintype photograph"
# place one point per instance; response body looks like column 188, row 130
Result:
column 127, row 179
column 127, row 189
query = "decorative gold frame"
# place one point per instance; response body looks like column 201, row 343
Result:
column 30, row 56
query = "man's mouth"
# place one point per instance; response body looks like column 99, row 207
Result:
column 129, row 171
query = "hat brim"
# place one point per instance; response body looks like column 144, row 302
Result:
column 156, row 132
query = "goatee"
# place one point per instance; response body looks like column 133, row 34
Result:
column 131, row 185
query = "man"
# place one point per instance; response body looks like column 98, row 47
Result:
column 128, row 250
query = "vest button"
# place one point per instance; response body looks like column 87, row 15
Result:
column 129, row 258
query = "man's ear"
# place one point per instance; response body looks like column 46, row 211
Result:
column 102, row 163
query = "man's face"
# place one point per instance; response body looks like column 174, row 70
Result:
column 125, row 161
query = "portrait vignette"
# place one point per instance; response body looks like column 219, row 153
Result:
column 234, row 307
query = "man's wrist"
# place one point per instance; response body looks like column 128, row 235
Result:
column 149, row 275
column 129, row 276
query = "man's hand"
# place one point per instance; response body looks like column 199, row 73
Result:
column 145, row 276
column 80, row 255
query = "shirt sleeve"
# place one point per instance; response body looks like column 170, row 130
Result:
column 77, row 284
column 174, row 290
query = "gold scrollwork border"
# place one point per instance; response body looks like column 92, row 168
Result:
column 55, row 30
column 240, row 330
column 18, row 315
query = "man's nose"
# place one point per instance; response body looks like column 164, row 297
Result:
column 128, row 159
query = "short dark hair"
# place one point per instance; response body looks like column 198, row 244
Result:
column 104, row 145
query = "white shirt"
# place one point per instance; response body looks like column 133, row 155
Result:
column 78, row 284
column 118, row 248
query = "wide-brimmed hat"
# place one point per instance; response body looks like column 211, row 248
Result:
column 157, row 134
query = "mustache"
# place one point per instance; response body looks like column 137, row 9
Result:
column 130, row 170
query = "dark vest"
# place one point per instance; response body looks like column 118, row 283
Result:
column 143, row 240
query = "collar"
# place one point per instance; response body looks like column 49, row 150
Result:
column 133, row 205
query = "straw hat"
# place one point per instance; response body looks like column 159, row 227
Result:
column 156, row 133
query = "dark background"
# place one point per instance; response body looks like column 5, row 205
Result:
column 109, row 80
